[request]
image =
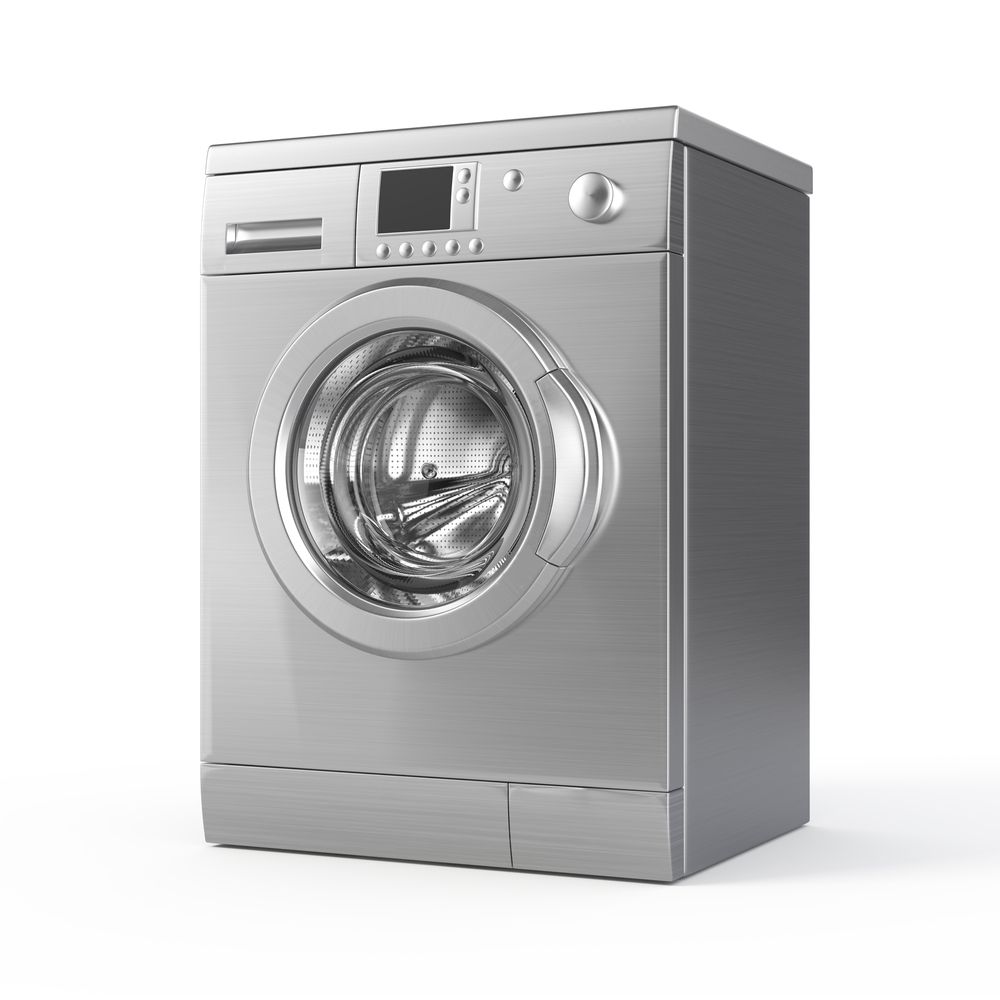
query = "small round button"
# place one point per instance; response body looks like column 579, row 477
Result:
column 429, row 248
column 462, row 195
column 405, row 249
column 476, row 246
column 513, row 179
column 464, row 175
column 382, row 251
column 451, row 247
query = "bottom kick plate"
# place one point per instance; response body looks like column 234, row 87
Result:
column 586, row 831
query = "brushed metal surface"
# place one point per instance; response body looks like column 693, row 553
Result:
column 329, row 194
column 747, row 753
column 274, row 236
column 597, row 831
column 576, row 694
column 537, row 221
column 559, row 521
column 675, row 198
column 562, row 131
column 651, row 714
column 375, row 815
column 675, row 493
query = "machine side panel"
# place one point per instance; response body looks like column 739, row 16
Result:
column 747, row 679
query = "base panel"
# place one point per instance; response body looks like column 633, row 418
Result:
column 586, row 831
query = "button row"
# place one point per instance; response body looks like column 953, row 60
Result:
column 428, row 248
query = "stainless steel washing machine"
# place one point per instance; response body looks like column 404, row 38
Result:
column 505, row 520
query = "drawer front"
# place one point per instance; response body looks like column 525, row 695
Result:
column 597, row 831
column 374, row 815
column 287, row 220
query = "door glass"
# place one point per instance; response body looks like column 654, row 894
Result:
column 413, row 469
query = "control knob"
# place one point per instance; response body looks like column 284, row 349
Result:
column 595, row 198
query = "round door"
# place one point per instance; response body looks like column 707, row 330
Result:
column 423, row 470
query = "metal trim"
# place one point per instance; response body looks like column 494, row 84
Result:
column 586, row 472
column 600, row 129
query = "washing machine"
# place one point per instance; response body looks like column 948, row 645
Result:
column 505, row 494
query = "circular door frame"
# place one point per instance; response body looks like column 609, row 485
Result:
column 522, row 584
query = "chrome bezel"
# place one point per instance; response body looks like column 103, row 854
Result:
column 526, row 579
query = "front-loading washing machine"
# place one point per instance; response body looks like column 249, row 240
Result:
column 505, row 494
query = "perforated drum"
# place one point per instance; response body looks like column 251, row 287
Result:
column 413, row 469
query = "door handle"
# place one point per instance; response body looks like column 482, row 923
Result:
column 585, row 469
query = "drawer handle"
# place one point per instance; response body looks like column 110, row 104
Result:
column 273, row 237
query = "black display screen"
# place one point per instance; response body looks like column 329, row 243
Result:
column 415, row 201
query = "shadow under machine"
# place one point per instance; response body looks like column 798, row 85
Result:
column 505, row 494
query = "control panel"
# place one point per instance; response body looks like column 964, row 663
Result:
column 503, row 206
column 426, row 210
column 599, row 199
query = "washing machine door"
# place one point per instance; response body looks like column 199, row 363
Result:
column 424, row 469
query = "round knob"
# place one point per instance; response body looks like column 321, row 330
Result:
column 595, row 198
column 513, row 179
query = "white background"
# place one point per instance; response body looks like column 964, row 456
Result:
column 107, row 889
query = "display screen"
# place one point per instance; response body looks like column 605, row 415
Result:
column 415, row 201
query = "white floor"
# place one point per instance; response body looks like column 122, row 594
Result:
column 891, row 891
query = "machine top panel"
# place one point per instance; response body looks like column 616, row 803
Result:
column 606, row 128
